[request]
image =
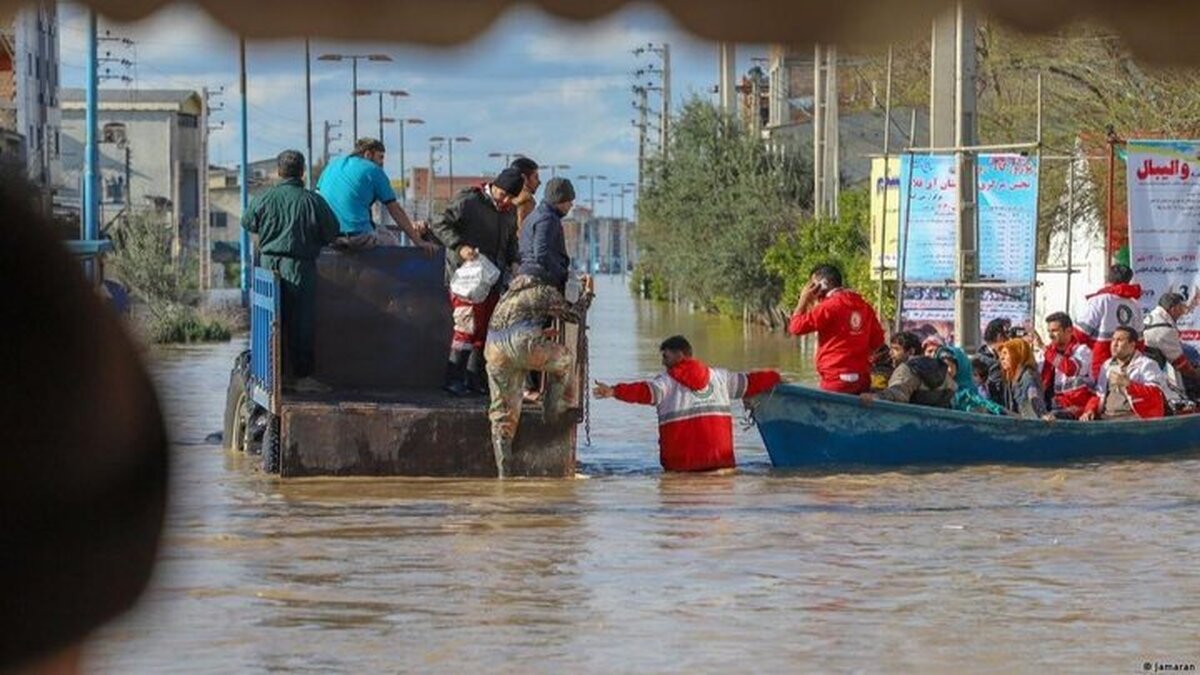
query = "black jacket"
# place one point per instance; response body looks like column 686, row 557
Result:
column 544, row 248
column 471, row 219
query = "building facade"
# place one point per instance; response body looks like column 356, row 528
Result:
column 29, row 90
column 152, row 157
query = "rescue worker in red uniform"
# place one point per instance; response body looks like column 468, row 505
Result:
column 1112, row 307
column 694, row 402
column 848, row 331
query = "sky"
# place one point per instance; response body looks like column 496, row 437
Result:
column 556, row 91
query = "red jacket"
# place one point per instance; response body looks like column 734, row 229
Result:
column 695, row 415
column 848, row 333
column 1108, row 308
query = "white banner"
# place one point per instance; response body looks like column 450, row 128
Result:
column 1164, row 222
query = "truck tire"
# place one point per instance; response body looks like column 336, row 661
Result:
column 235, row 397
column 271, row 445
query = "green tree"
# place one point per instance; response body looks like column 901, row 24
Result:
column 710, row 211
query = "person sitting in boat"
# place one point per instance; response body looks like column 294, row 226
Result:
column 917, row 379
column 994, row 337
column 931, row 344
column 1111, row 307
column 967, row 396
column 1023, row 392
column 979, row 376
column 1066, row 367
column 847, row 328
column 1131, row 384
column 1162, row 333
column 694, row 402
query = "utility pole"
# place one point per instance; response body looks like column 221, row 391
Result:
column 91, row 173
column 952, row 123
column 826, row 165
column 308, row 120
column 663, row 51
column 727, row 67
column 204, row 224
column 643, row 108
column 244, row 178
column 329, row 126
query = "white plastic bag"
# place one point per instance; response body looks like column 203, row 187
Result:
column 474, row 279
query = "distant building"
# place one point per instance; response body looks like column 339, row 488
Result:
column 421, row 191
column 29, row 90
column 225, row 212
column 152, row 156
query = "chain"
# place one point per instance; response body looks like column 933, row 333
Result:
column 587, row 390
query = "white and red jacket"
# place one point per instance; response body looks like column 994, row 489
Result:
column 1162, row 333
column 1147, row 388
column 695, row 413
column 1067, row 374
column 848, row 333
column 1108, row 309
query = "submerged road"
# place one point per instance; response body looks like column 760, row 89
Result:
column 1075, row 569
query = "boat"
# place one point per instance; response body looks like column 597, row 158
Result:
column 807, row 428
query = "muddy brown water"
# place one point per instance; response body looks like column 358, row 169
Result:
column 1086, row 568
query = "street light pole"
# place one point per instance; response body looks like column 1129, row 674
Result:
column 354, row 58
column 403, row 169
column 592, row 191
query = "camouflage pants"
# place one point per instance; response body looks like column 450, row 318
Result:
column 511, row 354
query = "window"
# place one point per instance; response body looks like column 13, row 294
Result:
column 187, row 121
column 219, row 219
column 114, row 189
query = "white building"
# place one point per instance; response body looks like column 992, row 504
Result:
column 29, row 88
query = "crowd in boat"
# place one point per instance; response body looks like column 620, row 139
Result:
column 1107, row 363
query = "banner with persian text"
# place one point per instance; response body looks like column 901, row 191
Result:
column 1163, row 179
column 1007, row 189
column 885, row 230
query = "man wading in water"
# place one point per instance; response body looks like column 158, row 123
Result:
column 694, row 402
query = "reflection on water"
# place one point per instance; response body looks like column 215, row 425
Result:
column 1086, row 568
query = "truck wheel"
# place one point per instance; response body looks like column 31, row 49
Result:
column 271, row 445
column 236, row 432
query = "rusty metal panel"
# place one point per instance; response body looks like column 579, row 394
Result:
column 383, row 319
column 451, row 439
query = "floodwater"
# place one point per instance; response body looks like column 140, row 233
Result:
column 1075, row 569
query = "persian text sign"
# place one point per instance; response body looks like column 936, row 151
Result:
column 929, row 199
column 1008, row 212
column 1163, row 180
column 885, row 230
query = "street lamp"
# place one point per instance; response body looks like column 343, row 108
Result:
column 403, row 170
column 354, row 59
column 555, row 168
column 450, row 141
column 592, row 190
column 508, row 157
column 394, row 93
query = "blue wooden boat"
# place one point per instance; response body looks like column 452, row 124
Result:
column 808, row 428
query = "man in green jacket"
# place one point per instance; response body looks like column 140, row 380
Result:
column 292, row 225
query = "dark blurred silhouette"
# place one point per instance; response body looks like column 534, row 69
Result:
column 83, row 468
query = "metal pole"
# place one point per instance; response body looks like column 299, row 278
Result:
column 244, row 174
column 403, row 170
column 91, row 194
column 430, row 191
column 1037, row 208
column 1070, row 230
column 380, row 116
column 666, row 98
column 1109, row 249
column 902, row 264
column 818, row 117
column 308, row 110
column 450, row 155
column 354, row 97
column 887, row 149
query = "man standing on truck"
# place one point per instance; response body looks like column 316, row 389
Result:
column 352, row 184
column 292, row 225
column 480, row 220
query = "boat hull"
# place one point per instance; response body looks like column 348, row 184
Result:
column 804, row 427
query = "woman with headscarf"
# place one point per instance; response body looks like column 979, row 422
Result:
column 966, row 396
column 1023, row 392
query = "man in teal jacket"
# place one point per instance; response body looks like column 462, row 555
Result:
column 292, row 225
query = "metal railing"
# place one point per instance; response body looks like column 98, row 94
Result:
column 265, row 339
